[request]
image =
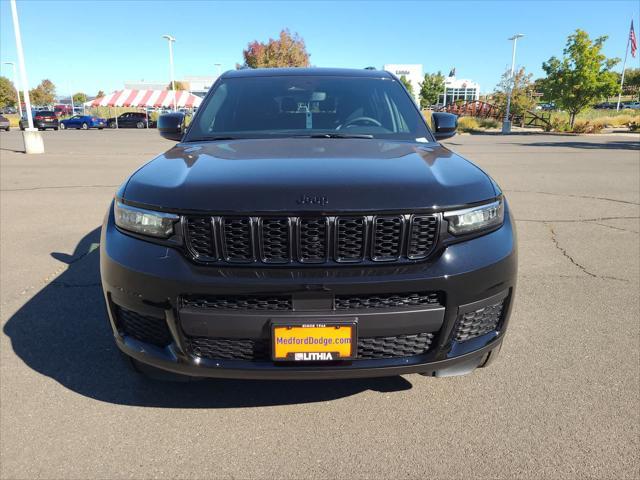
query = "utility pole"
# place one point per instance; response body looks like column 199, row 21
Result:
column 15, row 84
column 171, row 39
column 32, row 139
column 506, row 124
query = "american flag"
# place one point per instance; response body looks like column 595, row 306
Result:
column 632, row 41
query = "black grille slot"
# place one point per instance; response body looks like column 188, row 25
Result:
column 142, row 327
column 423, row 235
column 228, row 348
column 260, row 350
column 238, row 240
column 238, row 302
column 276, row 240
column 386, row 300
column 200, row 237
column 478, row 322
column 350, row 234
column 312, row 240
column 387, row 236
column 394, row 347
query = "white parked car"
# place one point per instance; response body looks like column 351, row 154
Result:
column 633, row 105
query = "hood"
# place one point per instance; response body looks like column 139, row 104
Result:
column 302, row 174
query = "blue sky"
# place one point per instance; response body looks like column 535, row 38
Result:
column 92, row 45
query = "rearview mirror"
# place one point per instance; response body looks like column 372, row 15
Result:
column 444, row 125
column 171, row 126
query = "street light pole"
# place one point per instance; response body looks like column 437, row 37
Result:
column 506, row 124
column 171, row 39
column 15, row 84
column 219, row 65
column 32, row 139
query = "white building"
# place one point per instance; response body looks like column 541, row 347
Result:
column 459, row 89
column 199, row 84
column 412, row 72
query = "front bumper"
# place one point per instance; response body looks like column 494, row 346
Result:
column 151, row 279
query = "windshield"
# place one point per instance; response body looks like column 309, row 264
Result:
column 326, row 106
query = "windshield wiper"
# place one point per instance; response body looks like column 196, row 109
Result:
column 336, row 135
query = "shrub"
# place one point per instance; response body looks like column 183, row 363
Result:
column 468, row 124
column 488, row 123
column 587, row 127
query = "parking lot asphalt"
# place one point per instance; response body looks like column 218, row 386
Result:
column 562, row 401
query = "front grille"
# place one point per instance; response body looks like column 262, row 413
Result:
column 143, row 327
column 394, row 347
column 237, row 302
column 228, row 349
column 478, row 322
column 311, row 240
column 259, row 350
column 285, row 302
column 387, row 300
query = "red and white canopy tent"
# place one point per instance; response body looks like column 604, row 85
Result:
column 146, row 98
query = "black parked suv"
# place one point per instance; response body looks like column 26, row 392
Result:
column 308, row 225
column 130, row 120
column 42, row 119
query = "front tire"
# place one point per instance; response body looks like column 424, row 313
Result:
column 62, row 126
column 112, row 125
column 85, row 126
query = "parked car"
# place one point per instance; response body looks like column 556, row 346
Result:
column 84, row 122
column 4, row 123
column 632, row 105
column 42, row 119
column 308, row 224
column 131, row 120
column 546, row 107
column 9, row 110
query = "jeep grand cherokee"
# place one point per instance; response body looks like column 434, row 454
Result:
column 308, row 225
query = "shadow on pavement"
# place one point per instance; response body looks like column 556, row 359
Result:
column 612, row 145
column 63, row 333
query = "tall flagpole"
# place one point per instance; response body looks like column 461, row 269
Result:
column 624, row 65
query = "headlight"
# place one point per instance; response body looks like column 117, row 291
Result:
column 144, row 222
column 474, row 219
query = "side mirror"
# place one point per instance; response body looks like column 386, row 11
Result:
column 444, row 124
column 171, row 126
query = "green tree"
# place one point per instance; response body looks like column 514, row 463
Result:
column 431, row 88
column 178, row 85
column 288, row 50
column 631, row 82
column 522, row 98
column 79, row 97
column 582, row 77
column 43, row 94
column 407, row 84
column 100, row 94
column 8, row 96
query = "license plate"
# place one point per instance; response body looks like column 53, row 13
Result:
column 314, row 341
